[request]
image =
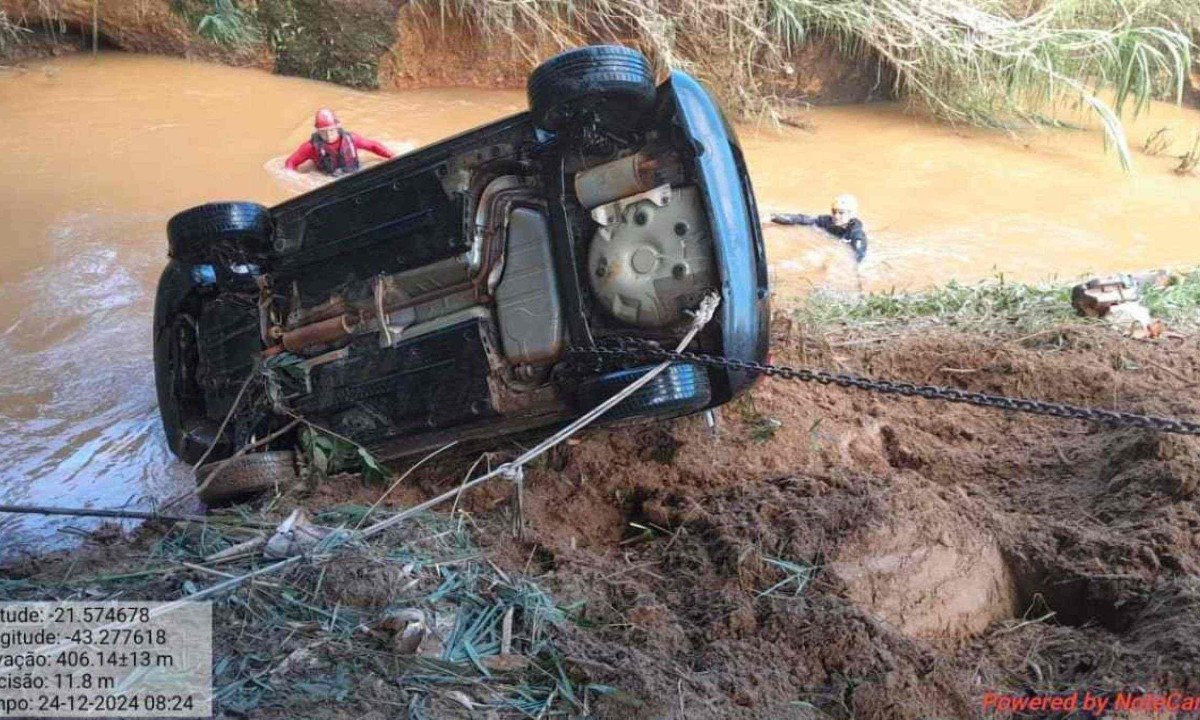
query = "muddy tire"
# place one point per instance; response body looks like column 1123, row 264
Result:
column 188, row 430
column 203, row 233
column 180, row 399
column 607, row 84
column 248, row 475
column 681, row 389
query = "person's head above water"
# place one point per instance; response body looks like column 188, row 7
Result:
column 327, row 125
column 844, row 209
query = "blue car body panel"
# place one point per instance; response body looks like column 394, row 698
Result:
column 737, row 233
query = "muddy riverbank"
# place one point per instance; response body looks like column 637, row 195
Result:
column 377, row 44
column 825, row 554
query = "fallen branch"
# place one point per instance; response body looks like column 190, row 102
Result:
column 128, row 514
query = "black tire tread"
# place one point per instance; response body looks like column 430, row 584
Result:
column 604, row 72
column 191, row 232
column 663, row 397
column 248, row 475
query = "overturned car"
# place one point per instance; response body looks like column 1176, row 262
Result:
column 435, row 296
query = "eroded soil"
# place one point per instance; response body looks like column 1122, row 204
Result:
column 955, row 550
column 838, row 554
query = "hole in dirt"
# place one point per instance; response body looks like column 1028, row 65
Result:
column 1110, row 602
column 640, row 522
column 899, row 454
column 545, row 559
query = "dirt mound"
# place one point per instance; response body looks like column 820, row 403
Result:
column 874, row 557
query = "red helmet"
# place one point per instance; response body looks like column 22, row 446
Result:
column 326, row 119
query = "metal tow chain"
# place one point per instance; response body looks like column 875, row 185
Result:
column 637, row 349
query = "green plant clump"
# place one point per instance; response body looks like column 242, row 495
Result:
column 993, row 304
column 227, row 24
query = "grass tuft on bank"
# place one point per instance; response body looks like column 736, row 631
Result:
column 993, row 305
column 10, row 33
column 227, row 24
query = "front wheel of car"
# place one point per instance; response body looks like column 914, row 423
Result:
column 681, row 389
column 235, row 230
column 181, row 402
column 188, row 431
column 607, row 84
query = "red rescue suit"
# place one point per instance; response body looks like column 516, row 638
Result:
column 337, row 158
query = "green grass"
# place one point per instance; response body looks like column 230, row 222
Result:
column 227, row 24
column 797, row 576
column 990, row 305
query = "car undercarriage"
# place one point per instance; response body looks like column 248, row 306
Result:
column 436, row 296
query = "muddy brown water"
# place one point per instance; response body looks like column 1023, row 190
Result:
column 99, row 152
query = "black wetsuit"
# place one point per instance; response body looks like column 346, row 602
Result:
column 852, row 233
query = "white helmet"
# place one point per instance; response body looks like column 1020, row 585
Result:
column 846, row 203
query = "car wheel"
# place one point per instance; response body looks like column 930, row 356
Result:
column 181, row 401
column 608, row 84
column 248, row 475
column 681, row 389
column 180, row 398
column 200, row 234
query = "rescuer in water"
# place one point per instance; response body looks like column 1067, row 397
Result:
column 842, row 222
column 333, row 150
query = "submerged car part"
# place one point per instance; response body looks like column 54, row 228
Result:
column 652, row 258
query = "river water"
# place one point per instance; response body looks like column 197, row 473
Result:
column 99, row 152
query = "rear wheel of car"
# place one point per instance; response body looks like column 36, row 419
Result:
column 681, row 389
column 237, row 229
column 247, row 475
column 607, row 84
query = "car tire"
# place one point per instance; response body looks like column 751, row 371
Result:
column 681, row 389
column 248, row 475
column 189, row 432
column 610, row 84
column 241, row 229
